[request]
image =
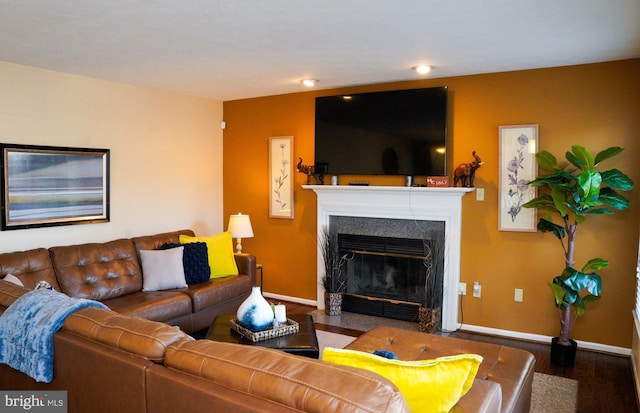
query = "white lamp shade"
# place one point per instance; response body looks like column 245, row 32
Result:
column 240, row 226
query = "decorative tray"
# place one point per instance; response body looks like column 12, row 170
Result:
column 290, row 327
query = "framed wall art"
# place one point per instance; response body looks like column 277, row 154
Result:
column 47, row 186
column 281, row 177
column 518, row 166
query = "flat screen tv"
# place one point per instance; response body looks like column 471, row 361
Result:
column 402, row 132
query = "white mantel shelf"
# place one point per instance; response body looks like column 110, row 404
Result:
column 401, row 202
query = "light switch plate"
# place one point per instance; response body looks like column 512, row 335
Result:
column 479, row 194
column 518, row 295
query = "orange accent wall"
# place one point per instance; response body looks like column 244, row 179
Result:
column 595, row 105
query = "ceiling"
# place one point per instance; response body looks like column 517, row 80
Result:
column 233, row 49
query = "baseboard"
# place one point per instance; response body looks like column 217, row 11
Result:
column 545, row 339
column 298, row 300
column 492, row 331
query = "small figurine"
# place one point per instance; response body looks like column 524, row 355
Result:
column 305, row 169
column 465, row 172
column 317, row 171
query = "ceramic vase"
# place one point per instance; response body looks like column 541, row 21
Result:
column 255, row 312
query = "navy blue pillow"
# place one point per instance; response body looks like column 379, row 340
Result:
column 195, row 260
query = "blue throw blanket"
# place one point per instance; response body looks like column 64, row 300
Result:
column 27, row 328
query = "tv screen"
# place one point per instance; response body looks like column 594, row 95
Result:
column 399, row 132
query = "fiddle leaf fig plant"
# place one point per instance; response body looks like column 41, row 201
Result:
column 571, row 193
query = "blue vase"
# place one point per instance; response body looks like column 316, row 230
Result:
column 255, row 312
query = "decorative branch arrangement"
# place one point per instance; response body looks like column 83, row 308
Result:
column 334, row 280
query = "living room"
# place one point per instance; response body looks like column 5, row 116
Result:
column 173, row 167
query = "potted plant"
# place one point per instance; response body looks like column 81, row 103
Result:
column 572, row 193
column 430, row 310
column 333, row 280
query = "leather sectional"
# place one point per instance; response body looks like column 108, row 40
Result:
column 110, row 272
column 131, row 359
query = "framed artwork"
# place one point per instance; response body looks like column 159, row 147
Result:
column 47, row 186
column 518, row 166
column 281, row 177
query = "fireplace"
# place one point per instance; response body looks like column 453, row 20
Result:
column 406, row 212
column 391, row 277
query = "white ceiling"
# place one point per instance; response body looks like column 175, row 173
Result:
column 232, row 49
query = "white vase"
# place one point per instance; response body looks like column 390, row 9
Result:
column 255, row 312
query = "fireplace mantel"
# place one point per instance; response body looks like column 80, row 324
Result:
column 400, row 202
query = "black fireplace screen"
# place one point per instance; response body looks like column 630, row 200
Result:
column 394, row 269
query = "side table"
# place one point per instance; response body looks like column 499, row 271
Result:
column 303, row 343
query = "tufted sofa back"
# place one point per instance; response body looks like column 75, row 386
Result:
column 30, row 267
column 98, row 271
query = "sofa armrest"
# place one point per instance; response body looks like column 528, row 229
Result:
column 294, row 382
column 246, row 265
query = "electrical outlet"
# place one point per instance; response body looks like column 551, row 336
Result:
column 518, row 295
column 477, row 289
column 462, row 288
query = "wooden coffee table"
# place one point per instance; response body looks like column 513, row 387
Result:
column 302, row 343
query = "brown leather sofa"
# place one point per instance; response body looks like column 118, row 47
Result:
column 125, row 360
column 110, row 272
column 108, row 362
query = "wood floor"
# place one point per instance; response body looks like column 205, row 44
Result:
column 605, row 380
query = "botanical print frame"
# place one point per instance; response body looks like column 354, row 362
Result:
column 518, row 166
column 47, row 186
column 281, row 177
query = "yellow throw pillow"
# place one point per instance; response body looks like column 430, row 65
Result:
column 427, row 385
column 220, row 252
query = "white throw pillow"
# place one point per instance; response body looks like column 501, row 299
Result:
column 162, row 269
column 13, row 279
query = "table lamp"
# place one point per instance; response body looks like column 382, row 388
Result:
column 240, row 227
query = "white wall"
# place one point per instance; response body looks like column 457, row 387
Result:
column 166, row 151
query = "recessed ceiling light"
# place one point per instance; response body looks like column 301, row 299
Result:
column 422, row 69
column 309, row 82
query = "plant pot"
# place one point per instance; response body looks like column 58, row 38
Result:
column 429, row 319
column 563, row 356
column 333, row 303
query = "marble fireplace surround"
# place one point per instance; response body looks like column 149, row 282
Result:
column 408, row 203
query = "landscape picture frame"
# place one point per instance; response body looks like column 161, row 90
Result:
column 49, row 186
column 281, row 189
column 518, row 146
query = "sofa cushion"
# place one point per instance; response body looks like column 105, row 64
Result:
column 154, row 242
column 13, row 279
column 218, row 290
column 428, row 386
column 98, row 271
column 162, row 269
column 195, row 260
column 10, row 292
column 297, row 382
column 220, row 250
column 152, row 305
column 30, row 267
column 145, row 338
